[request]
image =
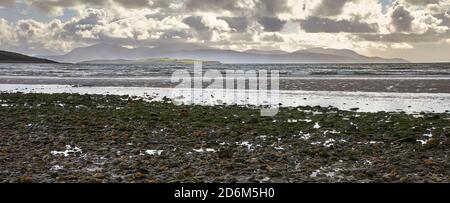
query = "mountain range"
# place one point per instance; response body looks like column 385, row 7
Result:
column 11, row 57
column 147, row 61
column 102, row 52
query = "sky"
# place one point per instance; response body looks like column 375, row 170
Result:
column 416, row 30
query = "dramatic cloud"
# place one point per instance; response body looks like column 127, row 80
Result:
column 272, row 37
column 271, row 24
column 53, row 26
column 421, row 2
column 238, row 24
column 403, row 37
column 273, row 8
column 56, row 7
column 240, row 7
column 331, row 7
column 316, row 24
column 195, row 22
column 7, row 3
column 6, row 33
column 401, row 19
column 213, row 5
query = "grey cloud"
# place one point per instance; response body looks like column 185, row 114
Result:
column 445, row 19
column 262, row 7
column 50, row 6
column 317, row 24
column 401, row 19
column 145, row 3
column 134, row 3
column 422, row 2
column 272, row 38
column 271, row 24
column 175, row 35
column 240, row 24
column 195, row 22
column 7, row 3
column 88, row 23
column 156, row 16
column 331, row 7
column 28, row 27
column 210, row 5
column 273, row 7
column 406, row 37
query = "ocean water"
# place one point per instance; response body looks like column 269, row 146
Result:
column 410, row 88
column 286, row 70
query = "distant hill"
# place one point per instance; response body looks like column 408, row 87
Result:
column 110, row 52
column 146, row 61
column 255, row 51
column 11, row 57
column 117, row 61
column 315, row 55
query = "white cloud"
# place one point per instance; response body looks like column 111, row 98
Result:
column 213, row 23
column 7, row 38
column 401, row 46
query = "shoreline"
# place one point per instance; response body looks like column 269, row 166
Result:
column 411, row 103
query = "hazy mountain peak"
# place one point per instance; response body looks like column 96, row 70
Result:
column 196, row 52
column 106, row 47
column 256, row 51
column 180, row 47
column 339, row 52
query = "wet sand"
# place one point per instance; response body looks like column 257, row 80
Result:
column 350, row 84
column 411, row 103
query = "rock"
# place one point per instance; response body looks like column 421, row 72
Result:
column 138, row 175
column 447, row 134
column 151, row 181
column 323, row 154
column 432, row 143
column 99, row 176
column 220, row 179
column 163, row 168
column 429, row 162
column 200, row 134
column 406, row 139
column 387, row 178
column 184, row 113
column 403, row 179
column 254, row 161
column 225, row 153
column 25, row 179
column 352, row 154
column 53, row 175
column 371, row 172
column 253, row 120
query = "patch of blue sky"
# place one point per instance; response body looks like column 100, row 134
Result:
column 386, row 4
